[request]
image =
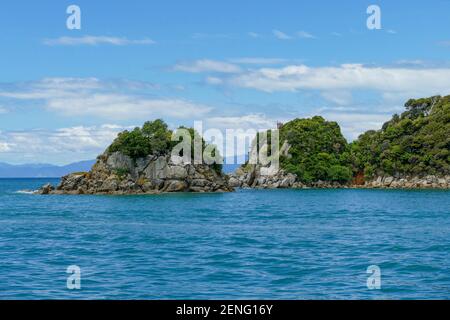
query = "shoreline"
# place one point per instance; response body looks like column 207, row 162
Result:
column 281, row 179
column 350, row 187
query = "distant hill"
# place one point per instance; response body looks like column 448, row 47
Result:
column 42, row 170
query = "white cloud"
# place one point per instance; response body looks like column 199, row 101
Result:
column 214, row 80
column 353, row 124
column 346, row 77
column 96, row 40
column 281, row 35
column 92, row 97
column 3, row 110
column 254, row 34
column 374, row 118
column 250, row 121
column 4, row 147
column 412, row 63
column 70, row 144
column 115, row 106
column 338, row 97
column 243, row 128
column 305, row 35
column 206, row 65
column 64, row 145
column 299, row 34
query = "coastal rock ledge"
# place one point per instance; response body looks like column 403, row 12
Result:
column 255, row 176
column 409, row 182
column 260, row 177
column 119, row 174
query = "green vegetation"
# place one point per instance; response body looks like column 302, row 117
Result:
column 154, row 138
column 318, row 150
column 415, row 143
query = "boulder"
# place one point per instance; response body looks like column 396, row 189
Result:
column 177, row 172
column 234, row 182
column 199, row 182
column 46, row 189
column 109, row 185
column 175, row 186
column 387, row 181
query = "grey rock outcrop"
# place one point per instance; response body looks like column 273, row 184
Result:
column 409, row 182
column 117, row 173
column 251, row 176
column 271, row 177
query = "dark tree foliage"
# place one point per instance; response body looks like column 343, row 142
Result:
column 158, row 134
column 154, row 138
column 415, row 143
column 318, row 150
column 131, row 143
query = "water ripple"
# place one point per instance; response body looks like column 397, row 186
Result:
column 254, row 244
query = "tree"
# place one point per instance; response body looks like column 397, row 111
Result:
column 318, row 150
column 415, row 143
column 158, row 134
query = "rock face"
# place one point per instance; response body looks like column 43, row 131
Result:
column 255, row 176
column 251, row 177
column 409, row 182
column 268, row 177
column 119, row 174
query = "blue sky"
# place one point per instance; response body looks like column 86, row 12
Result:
column 64, row 94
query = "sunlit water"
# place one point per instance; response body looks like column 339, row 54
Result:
column 268, row 244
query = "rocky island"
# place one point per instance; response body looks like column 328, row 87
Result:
column 141, row 162
column 412, row 150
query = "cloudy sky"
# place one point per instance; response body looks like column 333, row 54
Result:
column 65, row 94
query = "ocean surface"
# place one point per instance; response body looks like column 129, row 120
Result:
column 251, row 244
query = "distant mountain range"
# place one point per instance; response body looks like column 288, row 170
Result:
column 42, row 170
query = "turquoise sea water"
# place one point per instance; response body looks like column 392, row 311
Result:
column 251, row 244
